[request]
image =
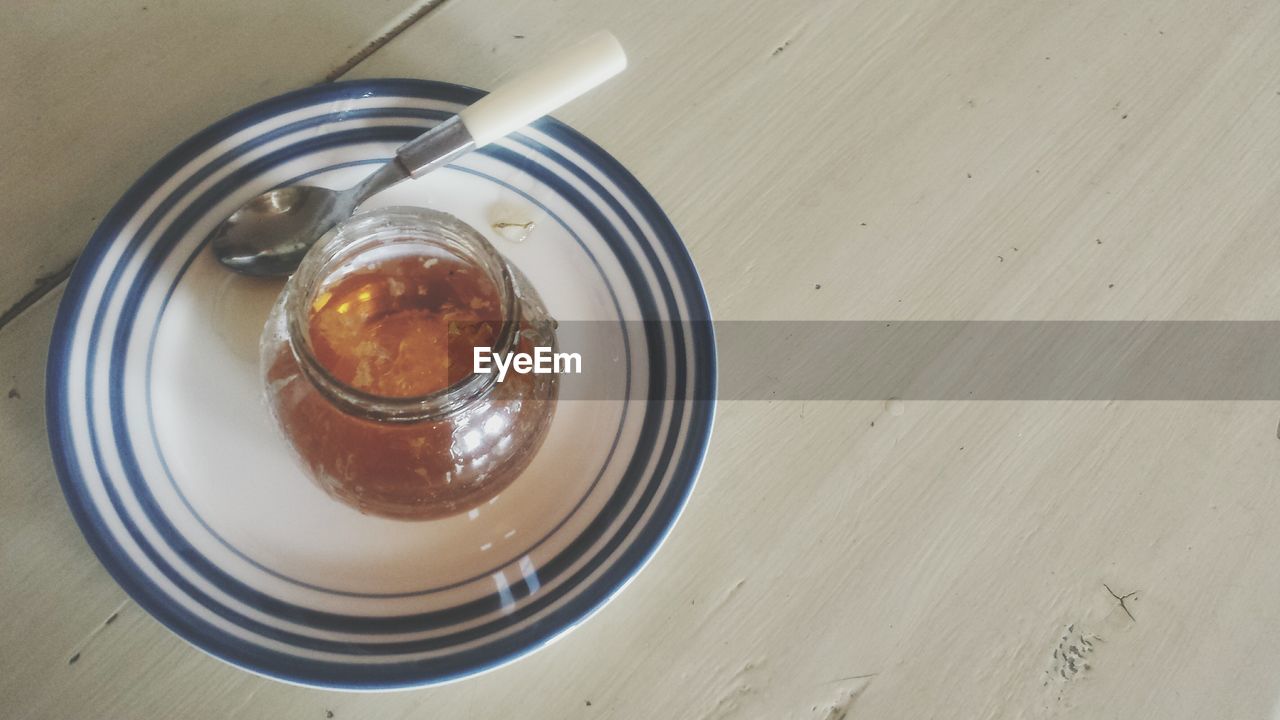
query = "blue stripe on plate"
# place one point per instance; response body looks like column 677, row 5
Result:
column 410, row 132
column 224, row 582
column 436, row 669
column 340, row 622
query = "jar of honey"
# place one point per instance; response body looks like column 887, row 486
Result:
column 367, row 359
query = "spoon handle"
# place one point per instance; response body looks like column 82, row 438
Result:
column 516, row 103
column 543, row 88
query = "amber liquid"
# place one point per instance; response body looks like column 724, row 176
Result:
column 405, row 328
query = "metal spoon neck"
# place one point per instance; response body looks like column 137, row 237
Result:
column 435, row 148
column 439, row 146
column 385, row 176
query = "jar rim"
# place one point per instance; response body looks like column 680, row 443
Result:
column 371, row 229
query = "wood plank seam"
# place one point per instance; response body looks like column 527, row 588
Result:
column 414, row 16
column 44, row 285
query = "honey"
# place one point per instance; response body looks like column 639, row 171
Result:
column 396, row 330
column 405, row 328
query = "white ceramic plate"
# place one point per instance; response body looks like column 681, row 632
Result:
column 183, row 488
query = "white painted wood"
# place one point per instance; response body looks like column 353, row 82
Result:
column 928, row 565
column 97, row 92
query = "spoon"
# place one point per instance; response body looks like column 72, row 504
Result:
column 269, row 234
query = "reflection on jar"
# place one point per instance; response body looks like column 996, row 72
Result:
column 367, row 364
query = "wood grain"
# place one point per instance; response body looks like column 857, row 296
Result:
column 918, row 159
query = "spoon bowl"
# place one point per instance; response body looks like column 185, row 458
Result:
column 268, row 235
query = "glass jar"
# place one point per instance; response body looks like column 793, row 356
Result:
column 398, row 455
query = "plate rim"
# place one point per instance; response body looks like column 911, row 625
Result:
column 701, row 419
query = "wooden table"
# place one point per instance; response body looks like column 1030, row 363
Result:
column 893, row 152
